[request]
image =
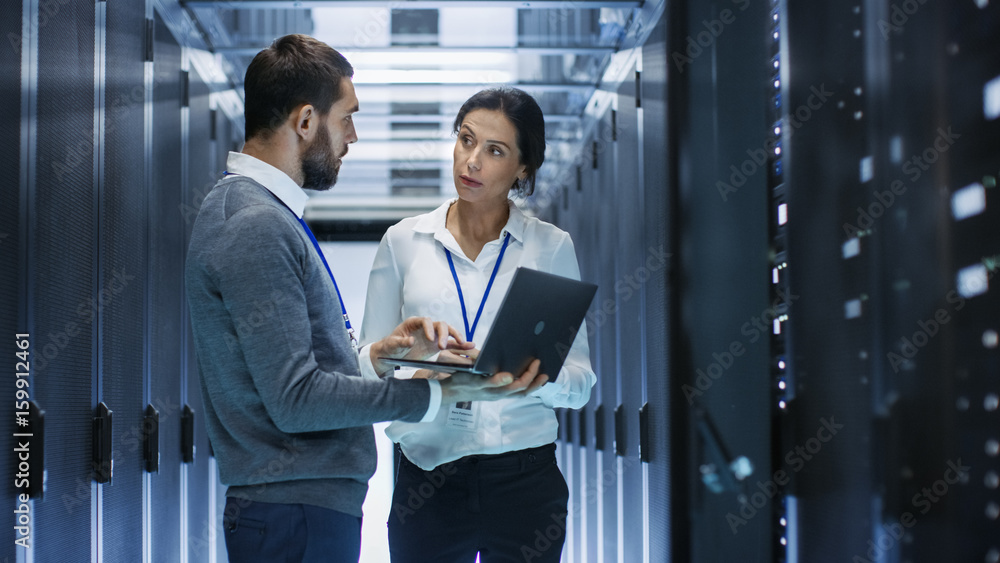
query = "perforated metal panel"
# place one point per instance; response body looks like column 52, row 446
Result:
column 606, row 226
column 123, row 226
column 590, row 268
column 631, row 253
column 222, row 144
column 657, row 345
column 166, row 254
column 619, row 229
column 200, row 522
column 62, row 259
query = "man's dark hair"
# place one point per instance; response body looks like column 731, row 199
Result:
column 523, row 112
column 295, row 70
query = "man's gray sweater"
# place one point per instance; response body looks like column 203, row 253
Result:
column 288, row 414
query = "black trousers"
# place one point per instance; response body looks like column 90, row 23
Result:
column 507, row 507
column 263, row 532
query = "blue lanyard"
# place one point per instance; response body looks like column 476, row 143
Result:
column 343, row 309
column 465, row 317
column 312, row 237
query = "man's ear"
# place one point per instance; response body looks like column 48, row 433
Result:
column 305, row 121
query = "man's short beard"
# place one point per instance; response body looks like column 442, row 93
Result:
column 319, row 167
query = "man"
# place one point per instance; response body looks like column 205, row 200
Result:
column 289, row 404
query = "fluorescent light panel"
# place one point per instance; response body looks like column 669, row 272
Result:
column 403, row 76
column 429, row 59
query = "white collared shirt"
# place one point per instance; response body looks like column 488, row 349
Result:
column 294, row 197
column 276, row 181
column 411, row 277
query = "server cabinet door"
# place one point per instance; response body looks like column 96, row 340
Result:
column 658, row 223
column 166, row 257
column 201, row 523
column 62, row 275
column 630, row 318
column 123, row 259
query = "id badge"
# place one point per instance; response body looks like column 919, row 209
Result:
column 462, row 416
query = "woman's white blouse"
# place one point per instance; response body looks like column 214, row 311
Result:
column 411, row 277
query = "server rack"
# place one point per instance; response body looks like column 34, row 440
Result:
column 99, row 239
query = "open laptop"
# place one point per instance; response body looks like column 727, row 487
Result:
column 538, row 318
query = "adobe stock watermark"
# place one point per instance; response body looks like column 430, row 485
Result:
column 47, row 9
column 926, row 330
column 603, row 140
column 249, row 322
column 189, row 211
column 260, row 479
column 116, row 109
column 418, row 496
column 899, row 15
column 421, row 152
column 705, row 38
column 758, row 156
column 545, row 537
column 565, row 10
column 128, row 442
column 277, row 466
column 909, row 346
column 753, row 329
column 796, row 459
column 264, row 475
column 117, row 282
column 893, row 532
column 913, row 168
column 627, row 286
column 376, row 25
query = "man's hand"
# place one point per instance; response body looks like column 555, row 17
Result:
column 416, row 338
column 470, row 387
column 467, row 357
column 430, row 374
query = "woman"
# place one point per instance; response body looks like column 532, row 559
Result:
column 481, row 477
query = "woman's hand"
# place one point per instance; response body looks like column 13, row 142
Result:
column 417, row 338
column 463, row 386
column 467, row 357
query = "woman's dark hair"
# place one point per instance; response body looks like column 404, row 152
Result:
column 522, row 110
column 295, row 70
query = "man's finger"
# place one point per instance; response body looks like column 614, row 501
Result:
column 450, row 356
column 468, row 351
column 395, row 344
column 459, row 339
column 467, row 347
column 428, row 329
column 442, row 332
